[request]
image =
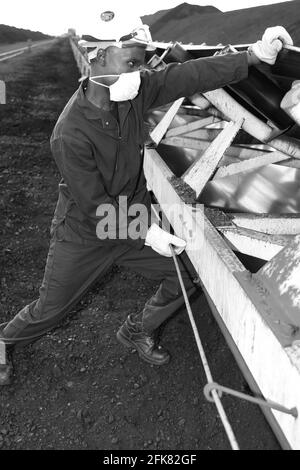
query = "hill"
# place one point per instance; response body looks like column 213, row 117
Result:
column 158, row 20
column 189, row 23
column 152, row 19
column 10, row 34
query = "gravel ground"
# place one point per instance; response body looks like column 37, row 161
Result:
column 77, row 387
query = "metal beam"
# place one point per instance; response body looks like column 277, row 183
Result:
column 281, row 276
column 204, row 134
column 191, row 126
column 250, row 164
column 257, row 244
column 187, row 142
column 202, row 169
column 201, row 113
column 246, row 372
column 284, row 224
column 233, row 154
column 252, row 125
column 240, row 302
column 199, row 100
column 162, row 127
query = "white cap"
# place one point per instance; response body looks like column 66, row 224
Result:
column 118, row 28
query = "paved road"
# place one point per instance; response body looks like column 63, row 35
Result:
column 12, row 50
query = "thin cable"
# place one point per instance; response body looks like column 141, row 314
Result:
column 258, row 401
column 224, row 419
column 291, row 48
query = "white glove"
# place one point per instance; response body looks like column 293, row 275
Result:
column 159, row 241
column 272, row 42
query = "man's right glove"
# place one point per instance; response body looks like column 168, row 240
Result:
column 159, row 241
column 272, row 42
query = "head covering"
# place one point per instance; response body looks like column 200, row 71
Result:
column 117, row 28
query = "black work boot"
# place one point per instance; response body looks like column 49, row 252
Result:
column 6, row 370
column 131, row 334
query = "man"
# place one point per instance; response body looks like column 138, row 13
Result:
column 97, row 144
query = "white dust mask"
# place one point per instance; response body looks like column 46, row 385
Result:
column 125, row 88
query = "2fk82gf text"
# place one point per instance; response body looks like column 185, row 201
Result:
column 150, row 459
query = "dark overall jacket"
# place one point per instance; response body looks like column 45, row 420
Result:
column 101, row 159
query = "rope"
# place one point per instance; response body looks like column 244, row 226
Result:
column 291, row 48
column 258, row 401
column 214, row 394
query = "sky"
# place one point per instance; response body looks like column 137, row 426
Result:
column 56, row 16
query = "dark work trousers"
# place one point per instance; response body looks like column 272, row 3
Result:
column 70, row 270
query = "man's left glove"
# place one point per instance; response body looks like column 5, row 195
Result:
column 271, row 43
column 160, row 241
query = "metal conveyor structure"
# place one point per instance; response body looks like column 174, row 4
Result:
column 226, row 173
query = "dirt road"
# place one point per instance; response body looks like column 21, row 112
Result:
column 77, row 388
